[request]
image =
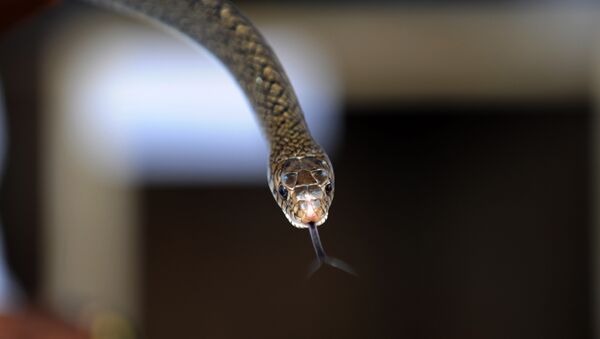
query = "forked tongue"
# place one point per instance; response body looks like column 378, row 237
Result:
column 322, row 257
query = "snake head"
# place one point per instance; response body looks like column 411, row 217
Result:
column 303, row 187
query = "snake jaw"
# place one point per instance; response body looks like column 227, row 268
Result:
column 301, row 225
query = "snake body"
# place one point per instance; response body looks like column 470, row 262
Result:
column 300, row 174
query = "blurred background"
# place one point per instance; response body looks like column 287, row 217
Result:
column 463, row 134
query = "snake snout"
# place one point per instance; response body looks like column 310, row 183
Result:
column 309, row 205
column 311, row 211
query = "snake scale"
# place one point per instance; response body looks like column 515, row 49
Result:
column 300, row 174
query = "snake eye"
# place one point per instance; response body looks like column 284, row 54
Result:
column 283, row 192
column 328, row 188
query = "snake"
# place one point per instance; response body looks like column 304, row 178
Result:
column 300, row 174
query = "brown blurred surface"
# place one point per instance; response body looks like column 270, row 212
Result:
column 37, row 324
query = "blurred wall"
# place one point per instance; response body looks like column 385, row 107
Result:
column 469, row 51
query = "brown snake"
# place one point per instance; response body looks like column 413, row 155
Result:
column 300, row 173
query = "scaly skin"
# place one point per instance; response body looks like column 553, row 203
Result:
column 221, row 28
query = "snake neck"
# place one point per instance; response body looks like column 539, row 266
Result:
column 294, row 147
column 220, row 27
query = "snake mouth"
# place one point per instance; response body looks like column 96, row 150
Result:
column 310, row 211
column 302, row 217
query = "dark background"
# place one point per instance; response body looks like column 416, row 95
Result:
column 464, row 220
